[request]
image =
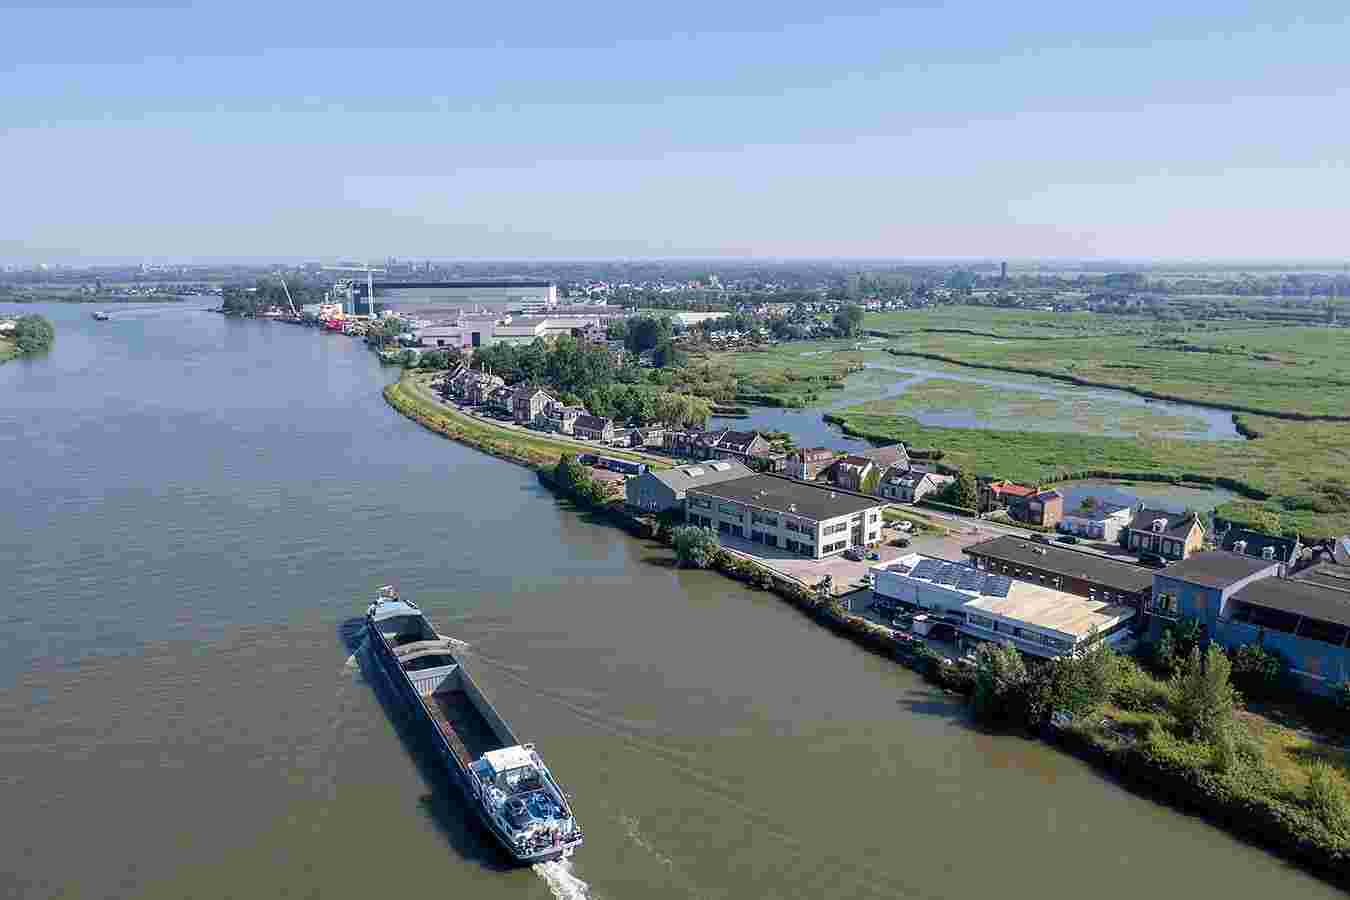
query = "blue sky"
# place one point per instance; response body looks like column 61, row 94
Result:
column 246, row 130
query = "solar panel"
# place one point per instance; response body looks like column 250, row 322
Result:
column 951, row 574
column 925, row 568
column 997, row 585
column 971, row 581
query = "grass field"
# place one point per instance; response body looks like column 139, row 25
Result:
column 8, row 350
column 1290, row 370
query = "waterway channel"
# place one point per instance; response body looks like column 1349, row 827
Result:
column 196, row 508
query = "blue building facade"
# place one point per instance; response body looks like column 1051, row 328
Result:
column 1241, row 600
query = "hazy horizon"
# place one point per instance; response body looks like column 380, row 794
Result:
column 1180, row 134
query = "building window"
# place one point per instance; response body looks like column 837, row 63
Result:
column 1165, row 605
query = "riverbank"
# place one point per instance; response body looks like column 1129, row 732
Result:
column 1149, row 776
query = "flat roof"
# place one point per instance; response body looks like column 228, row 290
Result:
column 405, row 285
column 1216, row 568
column 788, row 495
column 1044, row 607
column 1302, row 598
column 1120, row 576
column 1325, row 574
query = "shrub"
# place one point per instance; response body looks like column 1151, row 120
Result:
column 1326, row 798
column 1259, row 672
column 1204, row 698
column 1341, row 694
column 694, row 546
column 33, row 334
column 1138, row 691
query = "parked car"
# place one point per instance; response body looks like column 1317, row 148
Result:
column 1152, row 560
column 905, row 526
column 1040, row 539
column 874, row 555
column 854, row 554
column 900, row 542
column 1067, row 539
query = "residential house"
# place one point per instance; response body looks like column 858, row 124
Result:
column 1166, row 534
column 1262, row 546
column 852, row 473
column 1096, row 520
column 998, row 494
column 479, row 389
column 800, row 516
column 562, row 419
column 660, row 491
column 593, row 428
column 886, row 457
column 911, row 486
column 807, row 464
column 647, row 436
column 501, row 400
column 528, row 404
column 693, row 443
column 1043, row 508
column 742, row 445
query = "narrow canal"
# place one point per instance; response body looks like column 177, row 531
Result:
column 196, row 509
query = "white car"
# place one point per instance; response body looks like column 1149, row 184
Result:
column 905, row 526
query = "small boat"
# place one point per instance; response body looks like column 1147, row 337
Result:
column 503, row 780
column 101, row 316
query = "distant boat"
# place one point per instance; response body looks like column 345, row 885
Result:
column 101, row 316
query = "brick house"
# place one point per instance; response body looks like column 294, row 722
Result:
column 999, row 494
column 1045, row 508
column 1166, row 534
column 808, row 464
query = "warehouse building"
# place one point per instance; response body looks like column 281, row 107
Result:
column 1072, row 571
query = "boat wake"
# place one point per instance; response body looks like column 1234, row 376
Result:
column 562, row 881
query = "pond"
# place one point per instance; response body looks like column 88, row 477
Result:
column 951, row 397
column 1160, row 495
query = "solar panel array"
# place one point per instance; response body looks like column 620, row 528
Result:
column 960, row 576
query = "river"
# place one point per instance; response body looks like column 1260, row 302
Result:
column 195, row 511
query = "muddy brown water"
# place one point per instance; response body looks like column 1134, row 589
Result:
column 195, row 512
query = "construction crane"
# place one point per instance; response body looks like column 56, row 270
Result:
column 295, row 312
column 370, row 283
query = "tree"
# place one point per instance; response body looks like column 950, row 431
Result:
column 647, row 332
column 681, row 410
column 434, row 359
column 964, row 491
column 33, row 333
column 668, row 356
column 568, row 472
column 1326, row 798
column 617, row 330
column 848, row 320
column 695, row 547
column 1205, row 700
column 1001, row 684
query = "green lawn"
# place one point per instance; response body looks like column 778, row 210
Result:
column 8, row 349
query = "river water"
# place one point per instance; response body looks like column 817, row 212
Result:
column 196, row 509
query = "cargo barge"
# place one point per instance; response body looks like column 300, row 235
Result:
column 504, row 781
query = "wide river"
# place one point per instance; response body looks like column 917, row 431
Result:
column 196, row 509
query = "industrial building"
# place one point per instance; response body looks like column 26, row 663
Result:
column 506, row 295
column 1088, row 575
column 983, row 606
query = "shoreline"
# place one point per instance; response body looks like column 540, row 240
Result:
column 1131, row 769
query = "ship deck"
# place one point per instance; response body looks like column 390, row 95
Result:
column 463, row 725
